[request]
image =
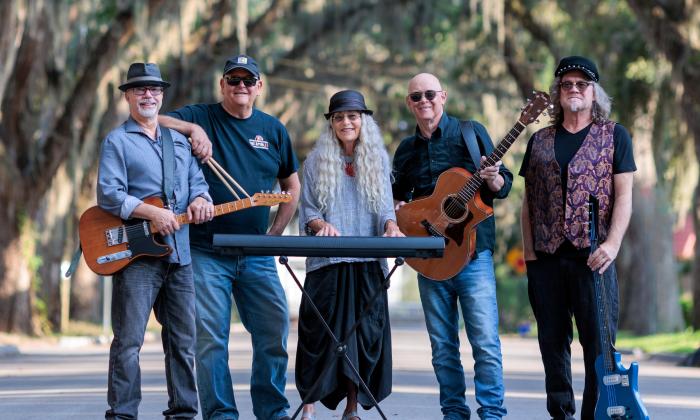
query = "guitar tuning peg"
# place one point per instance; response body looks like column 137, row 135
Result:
column 537, row 121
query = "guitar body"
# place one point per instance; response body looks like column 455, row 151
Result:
column 106, row 252
column 618, row 391
column 440, row 215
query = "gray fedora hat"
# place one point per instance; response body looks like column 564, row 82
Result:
column 143, row 74
column 347, row 100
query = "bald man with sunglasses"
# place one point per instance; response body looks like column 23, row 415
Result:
column 437, row 146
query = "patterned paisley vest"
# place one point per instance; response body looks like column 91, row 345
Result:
column 590, row 172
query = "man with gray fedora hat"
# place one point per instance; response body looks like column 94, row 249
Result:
column 255, row 149
column 139, row 160
column 582, row 154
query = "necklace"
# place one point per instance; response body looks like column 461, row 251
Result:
column 349, row 167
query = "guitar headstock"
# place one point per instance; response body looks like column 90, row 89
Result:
column 536, row 104
column 271, row 199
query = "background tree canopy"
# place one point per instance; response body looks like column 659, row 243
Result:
column 61, row 63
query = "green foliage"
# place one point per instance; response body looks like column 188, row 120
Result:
column 513, row 304
column 685, row 342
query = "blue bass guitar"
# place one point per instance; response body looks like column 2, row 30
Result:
column 618, row 394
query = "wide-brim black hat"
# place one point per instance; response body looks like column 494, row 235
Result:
column 576, row 62
column 143, row 74
column 347, row 100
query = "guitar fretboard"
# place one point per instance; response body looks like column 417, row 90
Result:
column 467, row 192
column 219, row 209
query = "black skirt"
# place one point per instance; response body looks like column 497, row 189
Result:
column 341, row 291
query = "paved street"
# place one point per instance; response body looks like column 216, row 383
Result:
column 69, row 382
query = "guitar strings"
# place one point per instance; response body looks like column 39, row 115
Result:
column 467, row 192
column 602, row 312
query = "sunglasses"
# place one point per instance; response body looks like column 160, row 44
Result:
column 155, row 90
column 247, row 81
column 429, row 95
column 339, row 118
column 580, row 85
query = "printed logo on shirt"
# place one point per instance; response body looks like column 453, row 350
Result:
column 259, row 142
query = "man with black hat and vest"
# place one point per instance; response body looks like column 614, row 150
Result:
column 420, row 159
column 139, row 159
column 255, row 149
column 582, row 154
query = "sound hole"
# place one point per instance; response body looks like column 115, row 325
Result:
column 454, row 208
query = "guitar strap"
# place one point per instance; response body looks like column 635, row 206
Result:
column 168, row 166
column 469, row 137
column 168, row 176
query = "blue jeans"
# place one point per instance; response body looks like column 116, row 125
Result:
column 475, row 290
column 168, row 289
column 262, row 306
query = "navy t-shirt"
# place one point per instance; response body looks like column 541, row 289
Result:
column 255, row 151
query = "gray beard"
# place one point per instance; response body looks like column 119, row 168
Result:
column 147, row 113
column 575, row 107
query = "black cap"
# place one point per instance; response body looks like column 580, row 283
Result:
column 347, row 100
column 576, row 62
column 242, row 61
column 143, row 74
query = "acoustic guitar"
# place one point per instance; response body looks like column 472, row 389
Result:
column 110, row 243
column 618, row 388
column 455, row 207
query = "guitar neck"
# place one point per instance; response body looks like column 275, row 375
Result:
column 474, row 183
column 219, row 210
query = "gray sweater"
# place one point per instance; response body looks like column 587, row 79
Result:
column 348, row 213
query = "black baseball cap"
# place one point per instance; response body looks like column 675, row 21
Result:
column 242, row 61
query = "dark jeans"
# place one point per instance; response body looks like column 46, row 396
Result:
column 168, row 289
column 559, row 288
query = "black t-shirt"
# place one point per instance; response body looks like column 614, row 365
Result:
column 566, row 145
column 255, row 151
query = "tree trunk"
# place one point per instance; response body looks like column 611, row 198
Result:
column 666, row 25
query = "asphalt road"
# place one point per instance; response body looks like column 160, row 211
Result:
column 68, row 381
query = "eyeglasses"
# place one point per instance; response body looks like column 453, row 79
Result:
column 339, row 118
column 155, row 90
column 580, row 85
column 247, row 81
column 429, row 95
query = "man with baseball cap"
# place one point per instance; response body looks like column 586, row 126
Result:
column 255, row 149
column 581, row 155
column 132, row 161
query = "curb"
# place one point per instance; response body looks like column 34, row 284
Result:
column 8, row 351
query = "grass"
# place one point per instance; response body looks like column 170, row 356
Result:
column 682, row 342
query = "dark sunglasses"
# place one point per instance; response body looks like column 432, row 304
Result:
column 429, row 95
column 580, row 85
column 247, row 81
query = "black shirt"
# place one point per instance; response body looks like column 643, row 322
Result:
column 566, row 145
column 256, row 151
column 418, row 162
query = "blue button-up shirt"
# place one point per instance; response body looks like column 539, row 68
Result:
column 131, row 169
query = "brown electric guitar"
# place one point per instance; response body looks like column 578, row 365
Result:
column 455, row 207
column 110, row 243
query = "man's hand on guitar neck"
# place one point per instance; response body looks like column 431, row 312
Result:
column 490, row 175
column 163, row 220
column 200, row 211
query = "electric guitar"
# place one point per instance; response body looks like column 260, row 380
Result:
column 455, row 207
column 110, row 243
column 618, row 395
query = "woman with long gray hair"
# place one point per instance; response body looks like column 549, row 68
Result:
column 346, row 192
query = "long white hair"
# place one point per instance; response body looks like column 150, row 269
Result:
column 370, row 162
